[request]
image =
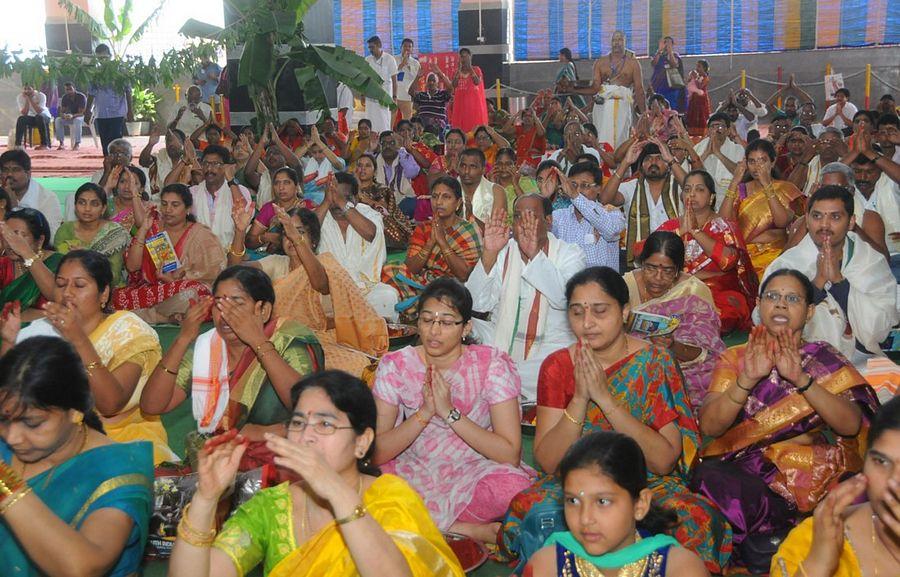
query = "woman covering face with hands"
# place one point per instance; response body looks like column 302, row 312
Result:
column 239, row 374
column 780, row 408
column 343, row 518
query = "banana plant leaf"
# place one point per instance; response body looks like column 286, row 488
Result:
column 313, row 92
column 197, row 29
column 352, row 69
column 257, row 62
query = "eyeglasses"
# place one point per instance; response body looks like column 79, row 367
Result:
column 212, row 164
column 775, row 297
column 11, row 170
column 446, row 323
column 582, row 186
column 657, row 270
column 324, row 428
column 120, row 154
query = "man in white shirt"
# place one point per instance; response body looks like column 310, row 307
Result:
column 218, row 194
column 386, row 67
column 24, row 191
column 407, row 72
column 749, row 111
column 354, row 233
column 193, row 114
column 719, row 153
column 33, row 113
column 855, row 294
column 840, row 114
column 521, row 282
column 164, row 159
column 480, row 196
column 650, row 199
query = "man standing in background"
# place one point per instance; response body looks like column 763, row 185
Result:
column 386, row 67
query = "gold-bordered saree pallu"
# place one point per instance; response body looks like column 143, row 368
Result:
column 262, row 532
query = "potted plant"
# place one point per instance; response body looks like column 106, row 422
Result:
column 143, row 107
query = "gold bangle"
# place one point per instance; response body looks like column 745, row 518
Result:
column 358, row 513
column 11, row 482
column 88, row 368
column 571, row 418
column 13, row 500
column 242, row 253
column 189, row 532
column 191, row 539
column 165, row 368
column 423, row 422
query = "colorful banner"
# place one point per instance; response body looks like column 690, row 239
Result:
column 542, row 27
column 433, row 25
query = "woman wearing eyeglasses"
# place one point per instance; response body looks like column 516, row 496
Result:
column 612, row 381
column 337, row 517
column 448, row 417
column 238, row 374
column 660, row 287
column 786, row 417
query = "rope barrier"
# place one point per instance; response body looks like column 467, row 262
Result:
column 521, row 92
column 885, row 82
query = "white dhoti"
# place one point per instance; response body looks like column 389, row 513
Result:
column 379, row 115
column 613, row 118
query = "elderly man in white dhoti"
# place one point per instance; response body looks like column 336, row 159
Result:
column 521, row 283
column 855, row 292
column 354, row 233
column 618, row 85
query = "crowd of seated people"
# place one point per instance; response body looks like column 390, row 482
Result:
column 541, row 260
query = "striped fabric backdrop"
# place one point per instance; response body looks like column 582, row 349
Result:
column 542, row 27
column 432, row 24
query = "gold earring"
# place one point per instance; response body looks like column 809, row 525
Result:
column 78, row 418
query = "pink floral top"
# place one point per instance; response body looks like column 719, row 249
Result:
column 439, row 464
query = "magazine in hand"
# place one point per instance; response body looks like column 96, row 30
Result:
column 651, row 325
column 162, row 251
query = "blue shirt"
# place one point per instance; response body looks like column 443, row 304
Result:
column 597, row 233
column 108, row 102
column 208, row 88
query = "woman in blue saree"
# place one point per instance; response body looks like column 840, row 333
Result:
column 71, row 500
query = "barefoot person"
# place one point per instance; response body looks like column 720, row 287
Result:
column 617, row 86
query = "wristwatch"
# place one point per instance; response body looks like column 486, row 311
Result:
column 349, row 206
column 453, row 416
column 28, row 262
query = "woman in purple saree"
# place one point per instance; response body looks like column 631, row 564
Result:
column 786, row 419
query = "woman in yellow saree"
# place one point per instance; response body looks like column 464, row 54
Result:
column 118, row 349
column 351, row 333
column 337, row 519
column 762, row 205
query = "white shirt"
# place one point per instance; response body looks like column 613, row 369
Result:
column 39, row 198
column 405, row 76
column 849, row 110
column 538, row 275
column 386, row 67
column 345, row 100
column 189, row 121
column 558, row 156
column 42, row 102
column 742, row 126
column 657, row 210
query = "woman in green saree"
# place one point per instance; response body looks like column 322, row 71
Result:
column 28, row 265
column 238, row 374
column 92, row 231
column 72, row 502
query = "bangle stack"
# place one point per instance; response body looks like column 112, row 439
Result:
column 89, row 368
column 12, row 487
column 192, row 536
column 242, row 253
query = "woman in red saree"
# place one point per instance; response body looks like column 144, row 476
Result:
column 715, row 252
column 468, row 108
column 158, row 296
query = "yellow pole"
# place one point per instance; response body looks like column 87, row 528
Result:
column 828, row 69
column 868, row 83
column 177, row 89
column 743, row 79
column 497, row 87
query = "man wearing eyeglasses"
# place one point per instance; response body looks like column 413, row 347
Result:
column 218, row 194
column 521, row 283
column 588, row 223
column 855, row 292
column 24, row 191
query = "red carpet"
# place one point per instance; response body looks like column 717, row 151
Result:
column 82, row 162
